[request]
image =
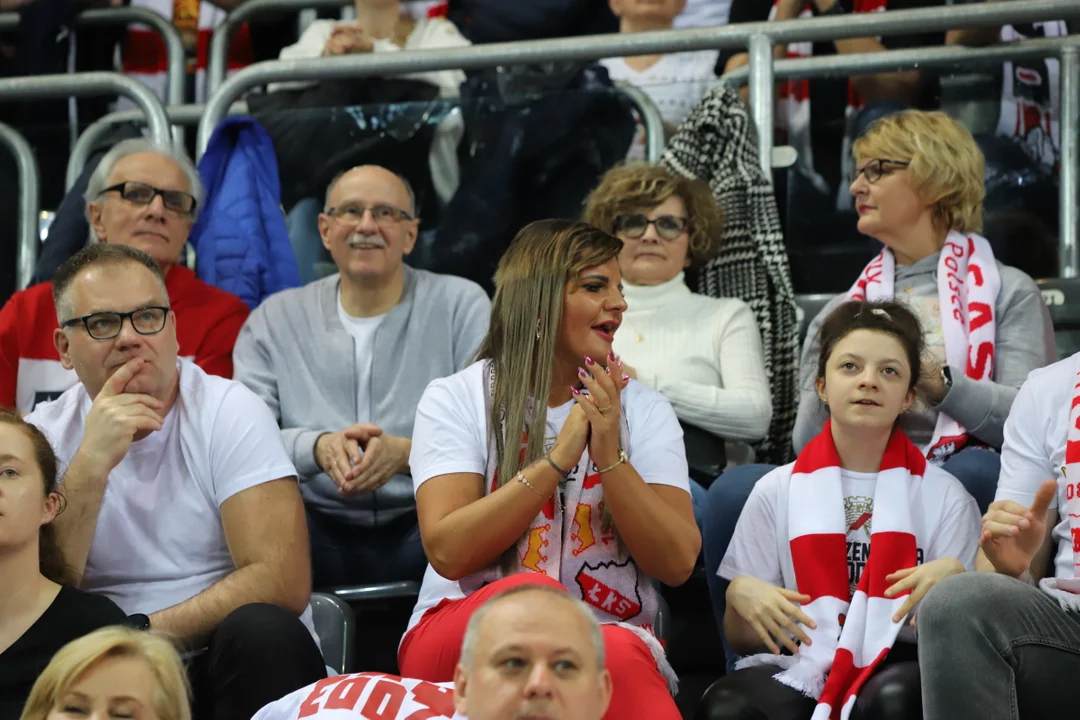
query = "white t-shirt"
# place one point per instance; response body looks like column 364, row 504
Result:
column 451, row 436
column 365, row 696
column 704, row 13
column 159, row 539
column 676, row 83
column 1034, row 450
column 760, row 546
column 362, row 330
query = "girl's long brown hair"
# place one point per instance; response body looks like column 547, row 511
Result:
column 530, row 284
column 51, row 559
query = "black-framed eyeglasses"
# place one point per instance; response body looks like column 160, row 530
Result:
column 874, row 169
column 142, row 194
column 107, row 325
column 381, row 214
column 669, row 227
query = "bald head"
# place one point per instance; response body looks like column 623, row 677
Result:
column 533, row 651
column 365, row 176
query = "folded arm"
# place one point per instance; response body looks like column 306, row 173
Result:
column 267, row 537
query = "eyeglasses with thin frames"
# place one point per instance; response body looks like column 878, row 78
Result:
column 384, row 215
column 107, row 325
column 142, row 194
column 874, row 169
column 669, row 227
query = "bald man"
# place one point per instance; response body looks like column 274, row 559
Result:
column 342, row 363
column 530, row 652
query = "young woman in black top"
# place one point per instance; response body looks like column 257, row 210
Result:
column 39, row 613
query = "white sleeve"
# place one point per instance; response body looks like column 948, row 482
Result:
column 1025, row 460
column 311, row 42
column 752, row 550
column 958, row 536
column 246, row 448
column 657, row 451
column 445, row 438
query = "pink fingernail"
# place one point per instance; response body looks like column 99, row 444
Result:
column 582, row 374
column 611, row 356
column 588, row 360
column 625, row 378
column 574, row 390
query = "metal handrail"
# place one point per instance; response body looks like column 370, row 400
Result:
column 27, row 249
column 622, row 44
column 218, row 55
column 179, row 116
column 40, row 87
column 174, row 44
column 650, row 118
column 1067, row 48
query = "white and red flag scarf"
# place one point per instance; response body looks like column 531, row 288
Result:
column 854, row 631
column 968, row 286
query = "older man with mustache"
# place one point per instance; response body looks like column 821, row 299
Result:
column 342, row 363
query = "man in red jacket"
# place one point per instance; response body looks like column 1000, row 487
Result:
column 145, row 197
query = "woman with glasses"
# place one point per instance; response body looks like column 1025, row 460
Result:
column 918, row 188
column 703, row 353
column 40, row 611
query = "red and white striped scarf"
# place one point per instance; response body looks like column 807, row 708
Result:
column 793, row 105
column 1067, row 590
column 968, row 285
column 854, row 632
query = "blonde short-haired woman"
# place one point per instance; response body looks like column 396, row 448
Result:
column 918, row 188
column 114, row 671
column 543, row 463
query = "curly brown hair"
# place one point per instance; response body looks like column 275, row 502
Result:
column 639, row 187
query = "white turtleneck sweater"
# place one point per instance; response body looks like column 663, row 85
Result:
column 703, row 353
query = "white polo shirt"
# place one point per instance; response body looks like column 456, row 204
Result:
column 159, row 539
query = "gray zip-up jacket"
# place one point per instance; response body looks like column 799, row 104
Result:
column 294, row 353
column 1024, row 341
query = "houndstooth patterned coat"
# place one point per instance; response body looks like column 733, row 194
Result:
column 717, row 143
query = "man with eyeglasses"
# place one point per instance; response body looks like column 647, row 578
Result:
column 146, row 197
column 182, row 504
column 342, row 363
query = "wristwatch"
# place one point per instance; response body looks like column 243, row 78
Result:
column 836, row 9
column 138, row 621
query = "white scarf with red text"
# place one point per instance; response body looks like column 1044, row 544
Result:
column 968, row 285
column 1067, row 590
column 854, row 632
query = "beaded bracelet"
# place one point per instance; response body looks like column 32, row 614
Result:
column 521, row 478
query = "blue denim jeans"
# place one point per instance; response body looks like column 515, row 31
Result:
column 344, row 554
column 976, row 468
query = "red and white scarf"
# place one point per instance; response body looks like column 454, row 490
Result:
column 968, row 285
column 1067, row 590
column 854, row 632
column 793, row 107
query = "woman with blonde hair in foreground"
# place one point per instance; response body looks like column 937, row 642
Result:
column 543, row 463
column 114, row 671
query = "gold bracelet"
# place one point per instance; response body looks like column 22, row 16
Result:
column 521, row 478
column 620, row 461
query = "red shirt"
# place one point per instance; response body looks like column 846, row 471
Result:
column 207, row 322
